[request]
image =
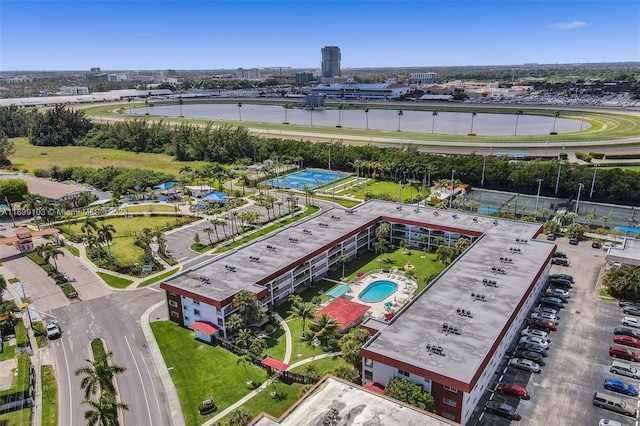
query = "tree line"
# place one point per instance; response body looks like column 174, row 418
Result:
column 235, row 145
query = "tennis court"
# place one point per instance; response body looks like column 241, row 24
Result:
column 509, row 202
column 312, row 178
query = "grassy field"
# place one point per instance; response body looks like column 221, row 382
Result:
column 113, row 281
column 158, row 278
column 16, row 418
column 39, row 157
column 198, row 370
column 49, row 396
column 144, row 208
column 323, row 366
column 382, row 188
column 122, row 247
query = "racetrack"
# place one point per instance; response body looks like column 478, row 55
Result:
column 614, row 130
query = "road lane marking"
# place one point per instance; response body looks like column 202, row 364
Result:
column 144, row 390
column 66, row 361
column 155, row 394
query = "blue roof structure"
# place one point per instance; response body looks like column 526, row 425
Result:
column 338, row 291
column 165, row 185
column 218, row 197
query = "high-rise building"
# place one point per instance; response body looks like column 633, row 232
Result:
column 330, row 61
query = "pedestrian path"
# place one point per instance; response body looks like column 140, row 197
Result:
column 288, row 340
column 313, row 358
column 238, row 403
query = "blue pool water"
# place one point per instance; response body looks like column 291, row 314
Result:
column 313, row 179
column 377, row 291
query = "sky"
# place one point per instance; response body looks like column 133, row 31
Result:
column 196, row 34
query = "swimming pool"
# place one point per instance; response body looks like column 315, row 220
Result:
column 377, row 291
column 313, row 179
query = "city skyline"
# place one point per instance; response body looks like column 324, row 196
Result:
column 122, row 35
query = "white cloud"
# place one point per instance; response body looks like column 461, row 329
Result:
column 568, row 25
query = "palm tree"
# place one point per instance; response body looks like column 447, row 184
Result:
column 3, row 287
column 104, row 411
column 434, row 114
column 303, row 311
column 240, row 417
column 50, row 251
column 445, row 254
column 413, row 184
column 257, row 347
column 589, row 217
column 351, row 351
column 605, row 220
column 380, row 246
column 325, row 328
column 400, row 114
column 89, row 226
column 244, row 300
column 518, row 114
column 383, row 230
column 208, row 230
column 340, row 108
column 462, row 244
column 244, row 338
column 366, row 115
column 234, row 322
column 473, row 116
column 244, row 360
column 105, row 234
column 343, row 259
column 98, row 376
column 240, row 110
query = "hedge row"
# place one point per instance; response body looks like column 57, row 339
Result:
column 20, row 332
column 584, row 157
column 623, row 156
column 597, row 155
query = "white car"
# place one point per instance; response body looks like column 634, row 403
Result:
column 544, row 315
column 535, row 332
column 3, row 228
column 536, row 340
column 607, row 422
column 52, row 330
column 631, row 322
column 557, row 290
column 607, row 246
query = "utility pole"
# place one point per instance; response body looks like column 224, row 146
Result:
column 593, row 181
column 538, row 195
column 580, row 186
column 453, row 172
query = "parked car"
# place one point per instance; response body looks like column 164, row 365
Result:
column 596, row 244
column 559, row 282
column 553, row 302
column 543, row 324
column 533, row 356
column 561, row 276
column 631, row 310
column 53, row 330
column 529, row 331
column 607, row 246
column 546, row 309
column 551, row 236
column 574, row 241
column 631, row 322
column 560, row 255
column 544, row 316
column 626, row 340
column 623, row 303
column 551, row 294
column 524, row 364
column 559, row 261
column 532, row 347
column 619, row 386
column 617, row 351
column 558, row 290
column 515, row 390
column 536, row 340
column 503, row 410
column 624, row 369
column 607, row 422
column 3, row 228
column 623, row 331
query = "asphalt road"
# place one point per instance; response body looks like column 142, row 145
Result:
column 116, row 319
column 578, row 356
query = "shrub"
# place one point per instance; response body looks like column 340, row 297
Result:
column 584, row 157
column 41, row 173
column 269, row 328
column 20, row 332
column 597, row 155
column 622, row 156
column 563, row 156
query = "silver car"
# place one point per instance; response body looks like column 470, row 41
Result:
column 524, row 364
column 631, row 322
column 535, row 332
column 535, row 340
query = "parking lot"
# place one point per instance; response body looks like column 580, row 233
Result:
column 578, row 361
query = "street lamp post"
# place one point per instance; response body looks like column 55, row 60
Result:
column 580, row 186
column 453, row 172
column 484, row 164
column 538, row 195
column 593, row 181
column 558, row 178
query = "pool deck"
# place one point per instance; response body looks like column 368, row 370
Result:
column 407, row 287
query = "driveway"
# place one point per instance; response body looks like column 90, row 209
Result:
column 42, row 290
column 85, row 281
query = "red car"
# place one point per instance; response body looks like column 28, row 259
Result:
column 513, row 389
column 627, row 340
column 542, row 323
column 624, row 353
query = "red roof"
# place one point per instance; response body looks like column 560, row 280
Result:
column 374, row 387
column 203, row 327
column 344, row 311
column 274, row 363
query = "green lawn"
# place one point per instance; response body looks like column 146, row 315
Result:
column 16, row 418
column 113, row 281
column 323, row 366
column 382, row 188
column 41, row 157
column 287, row 395
column 158, row 278
column 49, row 396
column 7, row 351
column 146, row 208
column 198, row 370
column 71, row 249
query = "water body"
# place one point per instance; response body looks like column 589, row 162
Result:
column 450, row 123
